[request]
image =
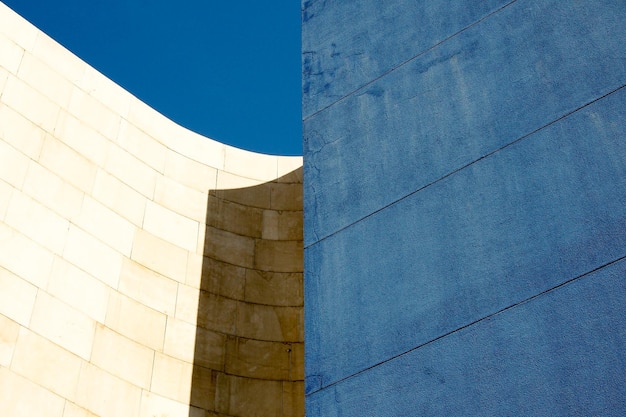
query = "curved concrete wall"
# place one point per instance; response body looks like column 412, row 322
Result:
column 144, row 270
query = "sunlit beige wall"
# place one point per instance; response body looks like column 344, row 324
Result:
column 103, row 244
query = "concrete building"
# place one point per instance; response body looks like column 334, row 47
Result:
column 144, row 270
column 464, row 237
column 465, row 207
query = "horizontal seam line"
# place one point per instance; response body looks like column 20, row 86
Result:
column 403, row 63
column 485, row 318
column 487, row 155
column 247, row 376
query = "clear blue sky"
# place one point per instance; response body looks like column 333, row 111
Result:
column 226, row 69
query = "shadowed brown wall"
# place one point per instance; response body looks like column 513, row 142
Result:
column 249, row 352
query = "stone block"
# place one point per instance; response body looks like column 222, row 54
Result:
column 282, row 225
column 68, row 164
column 279, row 255
column 187, row 300
column 20, row 397
column 30, row 103
column 104, row 90
column 13, row 165
column 106, row 225
column 155, row 405
column 46, row 364
column 210, row 349
column 148, row 287
column 160, row 255
column 294, row 177
column 203, row 386
column 274, row 288
column 119, row 197
column 252, row 165
column 297, row 362
column 270, row 224
column 17, row 29
column 171, row 378
column 6, row 192
column 131, row 171
column 194, row 269
column 181, row 199
column 137, row 142
column 4, row 75
column 53, row 192
column 242, row 190
column 229, row 247
column 122, row 357
column 10, row 54
column 93, row 256
column 190, row 173
column 72, row 410
column 84, row 139
column 233, row 217
column 199, row 148
column 257, row 359
column 293, row 399
column 63, row 325
column 222, row 278
column 198, row 412
column 9, row 330
column 37, row 222
column 58, row 58
column 78, row 289
column 106, row 395
column 217, row 313
column 201, row 239
column 21, row 133
column 17, row 297
column 94, row 114
column 262, row 322
column 24, row 257
column 290, row 169
column 45, row 80
column 248, row 397
column 171, row 227
column 136, row 321
column 180, row 339
column 286, row 196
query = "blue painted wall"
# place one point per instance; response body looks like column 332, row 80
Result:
column 465, row 207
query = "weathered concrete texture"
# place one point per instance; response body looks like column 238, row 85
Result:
column 550, row 356
column 500, row 79
column 465, row 206
column 144, row 270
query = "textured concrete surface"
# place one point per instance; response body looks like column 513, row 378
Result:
column 465, row 181
column 144, row 270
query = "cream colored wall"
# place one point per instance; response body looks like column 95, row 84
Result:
column 103, row 212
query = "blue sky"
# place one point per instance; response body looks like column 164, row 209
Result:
column 229, row 70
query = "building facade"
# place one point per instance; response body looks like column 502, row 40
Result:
column 144, row 270
column 464, row 227
column 465, row 207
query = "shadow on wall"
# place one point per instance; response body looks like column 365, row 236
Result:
column 249, row 351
